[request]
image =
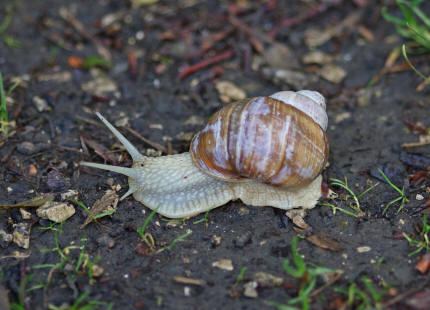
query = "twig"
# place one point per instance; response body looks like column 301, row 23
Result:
column 155, row 145
column 211, row 40
column 294, row 21
column 339, row 273
column 205, row 63
column 89, row 121
column 399, row 297
column 254, row 37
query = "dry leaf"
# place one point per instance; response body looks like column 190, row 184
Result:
column 324, row 242
column 107, row 203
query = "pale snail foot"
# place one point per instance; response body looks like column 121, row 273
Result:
column 185, row 191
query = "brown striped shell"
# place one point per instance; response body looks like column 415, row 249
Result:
column 261, row 138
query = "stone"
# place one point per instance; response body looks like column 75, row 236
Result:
column 55, row 211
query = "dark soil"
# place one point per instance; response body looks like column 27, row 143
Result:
column 367, row 125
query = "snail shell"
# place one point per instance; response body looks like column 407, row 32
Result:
column 266, row 151
column 262, row 138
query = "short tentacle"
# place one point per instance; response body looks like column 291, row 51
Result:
column 130, row 172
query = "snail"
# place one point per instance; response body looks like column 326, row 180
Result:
column 265, row 151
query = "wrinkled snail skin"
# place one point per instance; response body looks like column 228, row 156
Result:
column 181, row 185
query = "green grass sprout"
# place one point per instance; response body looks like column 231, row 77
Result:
column 355, row 205
column 205, row 218
column 413, row 25
column 146, row 236
column 4, row 119
column 402, row 198
column 335, row 208
column 426, row 78
column 21, row 294
column 369, row 297
column 344, row 185
column 307, row 275
column 422, row 242
column 8, row 40
column 170, row 246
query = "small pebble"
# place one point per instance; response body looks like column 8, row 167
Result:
column 250, row 289
column 25, row 214
column 56, row 181
column 106, row 240
column 41, row 104
column 215, row 240
column 55, row 211
column 243, row 240
column 419, row 197
column 5, row 238
column 28, row 148
column 187, row 291
column 21, row 235
column 70, row 194
column 97, row 270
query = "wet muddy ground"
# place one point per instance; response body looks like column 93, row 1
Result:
column 147, row 83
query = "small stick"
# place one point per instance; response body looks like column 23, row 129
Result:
column 415, row 144
column 212, row 39
column 254, row 38
column 155, row 145
column 205, row 63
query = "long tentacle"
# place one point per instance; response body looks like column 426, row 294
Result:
column 134, row 153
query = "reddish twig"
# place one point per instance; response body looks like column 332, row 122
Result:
column 155, row 145
column 254, row 37
column 293, row 21
column 132, row 63
column 205, row 63
column 212, row 39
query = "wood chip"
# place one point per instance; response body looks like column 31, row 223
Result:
column 424, row 263
column 190, row 281
column 224, row 264
column 265, row 279
column 364, row 249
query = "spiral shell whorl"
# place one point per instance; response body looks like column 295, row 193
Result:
column 310, row 102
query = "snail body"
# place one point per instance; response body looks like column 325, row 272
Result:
column 265, row 151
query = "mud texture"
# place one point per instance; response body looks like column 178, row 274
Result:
column 149, row 45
